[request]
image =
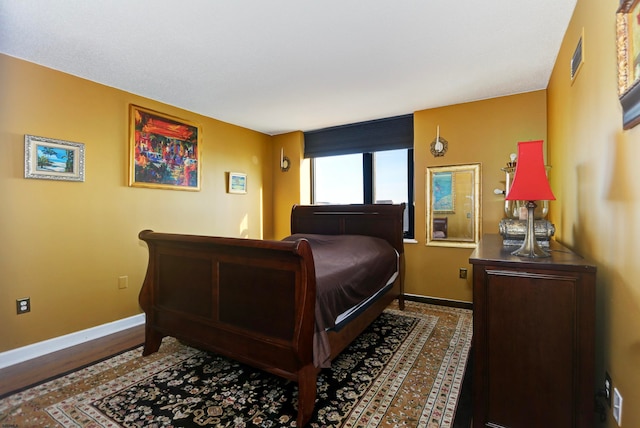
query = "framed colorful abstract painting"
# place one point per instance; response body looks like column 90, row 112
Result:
column 164, row 151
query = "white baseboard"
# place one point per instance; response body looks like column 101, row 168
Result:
column 19, row 355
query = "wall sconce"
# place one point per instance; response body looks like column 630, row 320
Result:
column 439, row 146
column 285, row 163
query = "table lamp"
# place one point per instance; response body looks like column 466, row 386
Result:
column 530, row 184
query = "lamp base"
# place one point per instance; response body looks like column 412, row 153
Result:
column 530, row 247
column 513, row 231
column 531, row 251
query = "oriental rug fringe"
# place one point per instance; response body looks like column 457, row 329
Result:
column 406, row 369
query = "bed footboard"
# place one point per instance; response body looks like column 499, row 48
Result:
column 250, row 300
column 231, row 295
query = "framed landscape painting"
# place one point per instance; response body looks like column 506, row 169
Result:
column 164, row 151
column 237, row 182
column 50, row 159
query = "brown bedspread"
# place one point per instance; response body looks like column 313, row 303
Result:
column 349, row 269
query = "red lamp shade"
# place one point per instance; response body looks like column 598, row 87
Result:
column 530, row 181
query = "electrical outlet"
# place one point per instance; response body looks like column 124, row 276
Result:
column 607, row 388
column 23, row 305
column 617, row 406
column 463, row 273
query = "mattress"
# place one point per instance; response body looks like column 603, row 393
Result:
column 350, row 270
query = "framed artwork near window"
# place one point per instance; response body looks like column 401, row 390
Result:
column 164, row 151
column 628, row 48
column 50, row 159
column 453, row 206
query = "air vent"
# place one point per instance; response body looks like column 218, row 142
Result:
column 578, row 58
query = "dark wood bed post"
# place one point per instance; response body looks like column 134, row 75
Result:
column 307, row 389
column 153, row 338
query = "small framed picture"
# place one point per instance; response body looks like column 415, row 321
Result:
column 237, row 182
column 50, row 159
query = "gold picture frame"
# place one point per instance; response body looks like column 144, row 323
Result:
column 628, row 48
column 453, row 206
column 164, row 151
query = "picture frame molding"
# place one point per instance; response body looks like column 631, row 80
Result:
column 464, row 221
column 32, row 168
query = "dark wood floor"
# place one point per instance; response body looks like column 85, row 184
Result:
column 37, row 370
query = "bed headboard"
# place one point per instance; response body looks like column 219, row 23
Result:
column 380, row 220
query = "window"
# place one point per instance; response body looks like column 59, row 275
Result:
column 390, row 176
column 378, row 177
column 366, row 162
column 338, row 180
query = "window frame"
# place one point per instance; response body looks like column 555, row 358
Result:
column 368, row 186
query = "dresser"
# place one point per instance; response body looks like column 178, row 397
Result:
column 533, row 338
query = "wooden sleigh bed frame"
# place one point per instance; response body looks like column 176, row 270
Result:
column 216, row 293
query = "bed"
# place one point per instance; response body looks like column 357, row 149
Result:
column 257, row 301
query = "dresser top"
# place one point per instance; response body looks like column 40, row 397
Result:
column 491, row 251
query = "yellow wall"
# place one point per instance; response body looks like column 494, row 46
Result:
column 290, row 187
column 64, row 244
column 485, row 132
column 597, row 211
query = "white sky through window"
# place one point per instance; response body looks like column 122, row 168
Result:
column 339, row 179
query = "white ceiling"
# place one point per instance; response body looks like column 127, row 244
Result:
column 283, row 65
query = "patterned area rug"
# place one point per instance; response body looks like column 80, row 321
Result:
column 406, row 369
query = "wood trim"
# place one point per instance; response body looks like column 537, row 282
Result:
column 41, row 369
column 438, row 301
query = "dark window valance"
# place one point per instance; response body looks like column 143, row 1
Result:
column 373, row 136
